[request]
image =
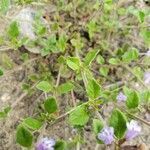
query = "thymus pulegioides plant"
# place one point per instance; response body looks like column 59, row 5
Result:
column 88, row 53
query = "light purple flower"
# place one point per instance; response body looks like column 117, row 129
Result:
column 106, row 135
column 147, row 77
column 46, row 144
column 121, row 97
column 148, row 53
column 133, row 130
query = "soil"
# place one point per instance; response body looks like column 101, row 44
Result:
column 24, row 105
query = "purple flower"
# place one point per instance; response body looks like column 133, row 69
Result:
column 46, row 144
column 148, row 53
column 121, row 97
column 106, row 135
column 133, row 130
column 147, row 78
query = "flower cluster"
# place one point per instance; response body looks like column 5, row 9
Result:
column 133, row 130
column 107, row 133
column 46, row 144
column 121, row 97
column 148, row 53
column 147, row 78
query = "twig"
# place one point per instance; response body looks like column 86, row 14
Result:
column 97, row 147
column 133, row 116
column 58, row 77
column 138, row 118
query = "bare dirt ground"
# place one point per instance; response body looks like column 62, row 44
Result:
column 11, row 91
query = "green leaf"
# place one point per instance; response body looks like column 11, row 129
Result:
column 24, row 137
column 1, row 72
column 90, row 57
column 50, row 105
column 100, row 59
column 93, row 89
column 73, row 63
column 97, row 126
column 60, row 145
column 7, row 109
column 65, row 88
column 79, row 116
column 25, row 56
column 4, row 5
column 32, row 123
column 92, row 28
column 145, row 96
column 77, row 43
column 113, row 61
column 132, row 100
column 104, row 71
column 13, row 30
column 4, row 113
column 145, row 34
column 118, row 122
column 141, row 16
column 44, row 86
column 62, row 42
column 130, row 55
column 138, row 71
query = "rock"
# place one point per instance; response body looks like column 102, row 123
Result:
column 25, row 18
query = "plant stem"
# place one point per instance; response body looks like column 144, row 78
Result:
column 97, row 147
column 133, row 116
column 78, row 146
column 138, row 118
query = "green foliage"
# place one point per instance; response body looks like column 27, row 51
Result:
column 77, row 43
column 92, row 28
column 132, row 99
column 100, row 59
column 91, row 55
column 104, row 71
column 79, row 117
column 114, row 61
column 73, row 63
column 93, row 89
column 118, row 122
column 4, row 6
column 44, row 86
column 145, row 96
column 97, row 126
column 25, row 56
column 130, row 55
column 32, row 123
column 4, row 113
column 145, row 34
column 13, row 30
column 1, row 72
column 138, row 71
column 62, row 42
column 88, row 48
column 60, row 145
column 65, row 88
column 50, row 105
column 21, row 2
column 24, row 137
column 49, row 45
